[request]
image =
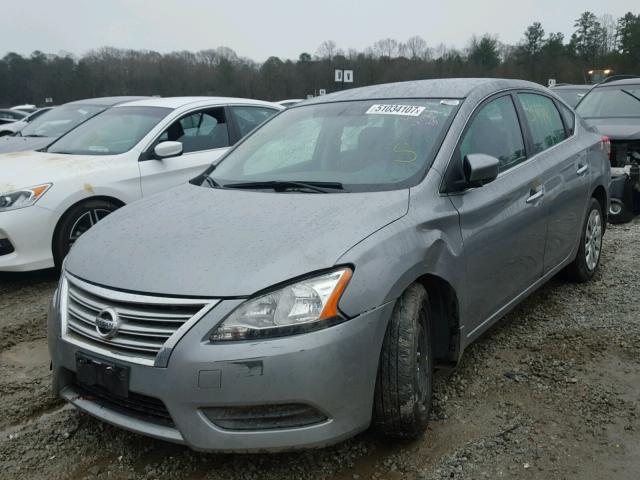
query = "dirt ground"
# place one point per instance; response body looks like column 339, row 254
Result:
column 550, row 392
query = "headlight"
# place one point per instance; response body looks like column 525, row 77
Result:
column 300, row 307
column 22, row 198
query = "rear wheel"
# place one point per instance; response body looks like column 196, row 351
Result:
column 77, row 221
column 404, row 385
column 619, row 212
column 588, row 258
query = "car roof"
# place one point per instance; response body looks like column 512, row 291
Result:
column 105, row 101
column 572, row 87
column 436, row 88
column 615, row 83
column 178, row 102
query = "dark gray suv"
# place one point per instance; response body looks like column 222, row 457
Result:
column 306, row 286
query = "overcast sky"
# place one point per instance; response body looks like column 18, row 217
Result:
column 284, row 28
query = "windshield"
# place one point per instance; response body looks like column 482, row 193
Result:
column 59, row 120
column 572, row 97
column 114, row 131
column 363, row 145
column 618, row 101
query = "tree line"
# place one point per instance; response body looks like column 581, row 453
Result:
column 597, row 42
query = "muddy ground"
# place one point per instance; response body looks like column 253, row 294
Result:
column 551, row 391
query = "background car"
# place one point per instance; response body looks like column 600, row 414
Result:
column 9, row 116
column 305, row 286
column 131, row 150
column 15, row 127
column 614, row 109
column 48, row 127
column 290, row 103
column 27, row 108
column 572, row 94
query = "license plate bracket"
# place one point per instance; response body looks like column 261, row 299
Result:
column 94, row 372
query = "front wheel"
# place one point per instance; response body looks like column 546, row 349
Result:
column 77, row 221
column 587, row 260
column 404, row 385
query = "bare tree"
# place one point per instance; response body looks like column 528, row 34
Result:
column 327, row 50
column 416, row 48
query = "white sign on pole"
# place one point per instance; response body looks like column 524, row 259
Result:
column 552, row 82
column 48, row 100
column 338, row 75
column 348, row 76
column 322, row 91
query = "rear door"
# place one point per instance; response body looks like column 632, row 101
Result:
column 248, row 117
column 564, row 165
column 205, row 137
column 503, row 223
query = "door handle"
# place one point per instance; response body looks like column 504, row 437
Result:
column 535, row 195
column 582, row 169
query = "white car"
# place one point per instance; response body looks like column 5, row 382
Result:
column 49, row 198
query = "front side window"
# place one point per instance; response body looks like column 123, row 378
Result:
column 364, row 145
column 203, row 130
column 495, row 131
column 544, row 121
column 112, row 132
column 59, row 120
column 249, row 118
column 614, row 101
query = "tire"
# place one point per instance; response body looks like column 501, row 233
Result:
column 76, row 221
column 619, row 213
column 404, row 385
column 584, row 266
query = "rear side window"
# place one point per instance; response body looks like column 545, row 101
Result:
column 544, row 121
column 495, row 131
column 569, row 119
column 203, row 130
column 249, row 118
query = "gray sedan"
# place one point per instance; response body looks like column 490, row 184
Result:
column 305, row 287
column 51, row 125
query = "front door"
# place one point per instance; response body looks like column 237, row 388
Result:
column 503, row 223
column 205, row 138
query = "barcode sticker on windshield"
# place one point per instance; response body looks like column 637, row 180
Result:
column 407, row 110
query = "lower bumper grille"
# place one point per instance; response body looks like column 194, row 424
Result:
column 6, row 247
column 264, row 417
column 143, row 407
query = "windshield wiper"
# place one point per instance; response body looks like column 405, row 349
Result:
column 281, row 185
column 630, row 94
column 32, row 136
column 211, row 182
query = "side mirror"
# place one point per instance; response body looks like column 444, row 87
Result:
column 480, row 169
column 168, row 149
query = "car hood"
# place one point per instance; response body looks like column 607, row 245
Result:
column 617, row 128
column 195, row 241
column 21, row 144
column 26, row 169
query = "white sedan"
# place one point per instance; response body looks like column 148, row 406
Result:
column 49, row 198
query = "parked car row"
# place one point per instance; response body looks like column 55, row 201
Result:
column 303, row 284
column 117, row 151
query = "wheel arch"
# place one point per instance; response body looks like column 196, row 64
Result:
column 107, row 198
column 600, row 194
column 445, row 317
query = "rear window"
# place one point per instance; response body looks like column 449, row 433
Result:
column 614, row 101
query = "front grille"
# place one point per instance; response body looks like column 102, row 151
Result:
column 137, row 405
column 145, row 323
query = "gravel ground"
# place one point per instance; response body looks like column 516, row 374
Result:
column 550, row 392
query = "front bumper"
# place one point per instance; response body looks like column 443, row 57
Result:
column 331, row 370
column 29, row 231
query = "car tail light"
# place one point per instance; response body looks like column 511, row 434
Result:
column 606, row 146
